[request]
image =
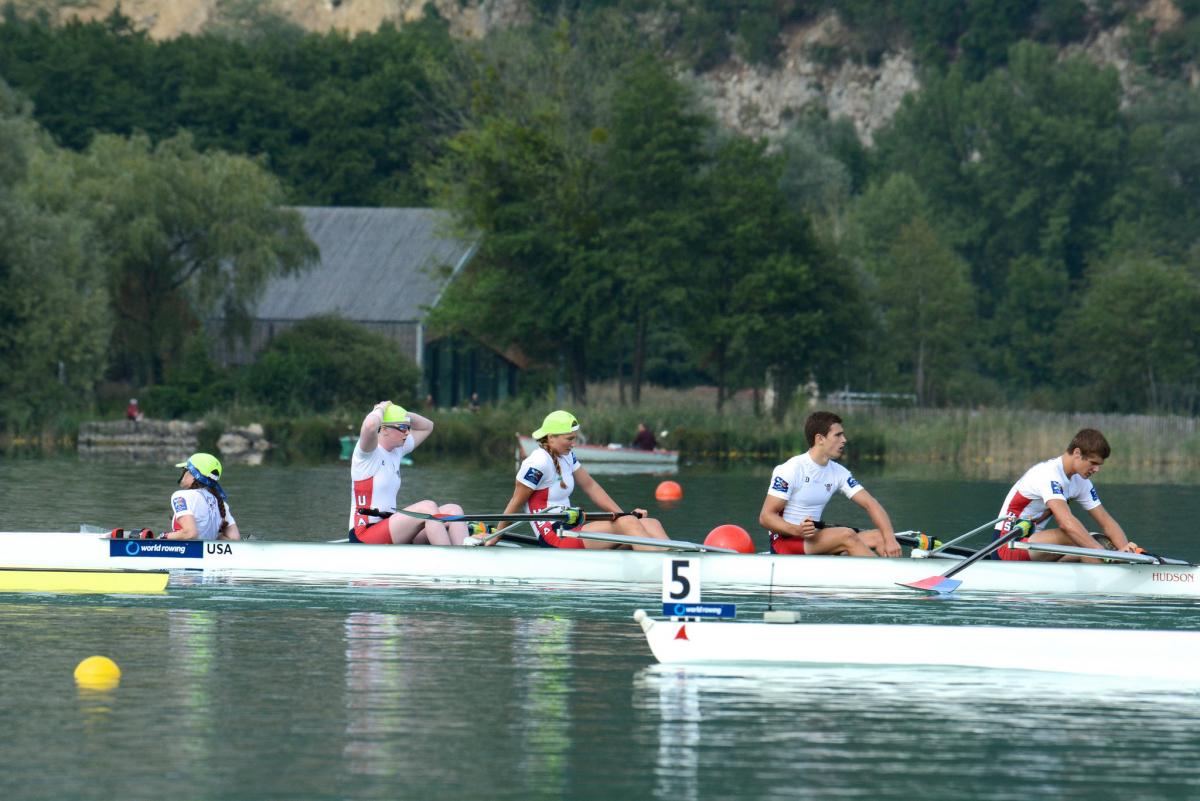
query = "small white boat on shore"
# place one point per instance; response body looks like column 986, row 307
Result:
column 613, row 454
column 1131, row 653
column 557, row 567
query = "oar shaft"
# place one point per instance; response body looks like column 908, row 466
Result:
column 970, row 533
column 987, row 550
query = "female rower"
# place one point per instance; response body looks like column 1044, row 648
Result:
column 549, row 474
column 200, row 508
column 388, row 434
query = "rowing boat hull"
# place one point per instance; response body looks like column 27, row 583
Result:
column 548, row 566
column 1141, row 654
column 82, row 580
column 600, row 454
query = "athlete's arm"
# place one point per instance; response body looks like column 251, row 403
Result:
column 368, row 432
column 591, row 487
column 1111, row 529
column 1070, row 526
column 520, row 497
column 230, row 533
column 421, row 428
column 187, row 528
column 771, row 518
column 879, row 517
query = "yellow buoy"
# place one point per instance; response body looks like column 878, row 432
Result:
column 98, row 673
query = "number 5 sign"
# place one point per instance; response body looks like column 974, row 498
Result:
column 681, row 581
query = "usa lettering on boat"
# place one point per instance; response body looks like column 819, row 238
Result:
column 218, row 547
column 1186, row 578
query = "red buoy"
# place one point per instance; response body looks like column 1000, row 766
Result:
column 730, row 536
column 668, row 491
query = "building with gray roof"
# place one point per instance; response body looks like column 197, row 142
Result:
column 383, row 268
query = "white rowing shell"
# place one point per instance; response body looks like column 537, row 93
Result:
column 550, row 566
column 1141, row 654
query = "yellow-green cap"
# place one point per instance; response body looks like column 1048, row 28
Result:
column 205, row 463
column 557, row 422
column 396, row 414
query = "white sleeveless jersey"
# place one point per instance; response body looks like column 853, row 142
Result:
column 807, row 486
column 202, row 505
column 537, row 473
column 1046, row 481
column 375, row 480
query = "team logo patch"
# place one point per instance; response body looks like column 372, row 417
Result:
column 1095, row 496
column 829, row 488
column 778, row 485
column 1056, row 488
column 851, row 482
column 179, row 504
column 533, row 475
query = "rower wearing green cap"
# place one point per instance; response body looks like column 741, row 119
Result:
column 200, row 508
column 548, row 475
column 387, row 435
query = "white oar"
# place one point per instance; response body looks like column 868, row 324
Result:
column 625, row 539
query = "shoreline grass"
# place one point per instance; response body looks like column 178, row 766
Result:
column 986, row 443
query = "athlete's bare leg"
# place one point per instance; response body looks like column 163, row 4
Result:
column 837, row 540
column 404, row 529
column 457, row 531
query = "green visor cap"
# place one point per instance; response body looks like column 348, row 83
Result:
column 205, row 463
column 395, row 414
column 558, row 422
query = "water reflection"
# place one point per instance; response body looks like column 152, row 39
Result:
column 542, row 649
column 811, row 733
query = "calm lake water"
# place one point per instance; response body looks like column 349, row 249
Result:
column 236, row 689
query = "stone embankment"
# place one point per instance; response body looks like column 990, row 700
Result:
column 166, row 441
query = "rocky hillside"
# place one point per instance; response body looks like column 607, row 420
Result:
column 753, row 99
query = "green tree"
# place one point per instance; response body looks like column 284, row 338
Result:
column 1135, row 336
column 186, row 236
column 527, row 173
column 53, row 306
column 326, row 363
column 650, row 219
column 920, row 288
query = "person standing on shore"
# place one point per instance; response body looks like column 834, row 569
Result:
column 803, row 485
column 1042, row 494
column 388, row 434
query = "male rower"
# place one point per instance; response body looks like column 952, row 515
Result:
column 802, row 486
column 1041, row 495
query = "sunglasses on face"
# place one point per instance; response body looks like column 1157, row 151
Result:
column 401, row 427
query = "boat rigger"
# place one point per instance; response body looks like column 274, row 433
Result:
column 553, row 567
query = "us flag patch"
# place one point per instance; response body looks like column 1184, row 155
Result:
column 778, row 485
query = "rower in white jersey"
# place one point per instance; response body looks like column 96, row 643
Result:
column 803, row 485
column 389, row 433
column 200, row 509
column 1041, row 495
column 548, row 476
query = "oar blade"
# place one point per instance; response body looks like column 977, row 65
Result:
column 935, row 585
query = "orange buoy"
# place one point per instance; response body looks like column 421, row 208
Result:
column 730, row 536
column 668, row 491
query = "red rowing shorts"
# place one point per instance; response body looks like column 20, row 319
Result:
column 549, row 536
column 1008, row 553
column 377, row 533
column 786, row 546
